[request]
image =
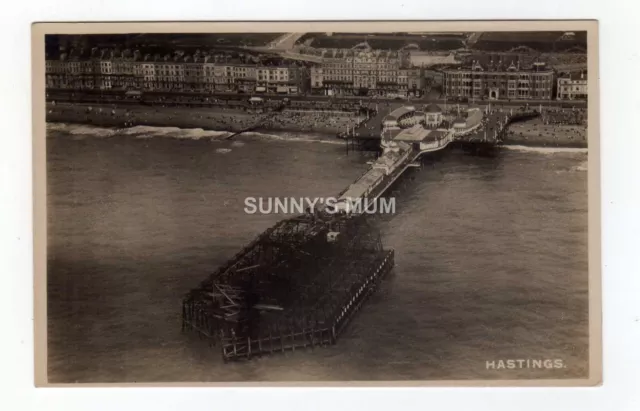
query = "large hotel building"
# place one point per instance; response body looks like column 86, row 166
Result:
column 366, row 72
column 499, row 80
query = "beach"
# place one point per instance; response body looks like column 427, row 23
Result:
column 535, row 133
column 216, row 118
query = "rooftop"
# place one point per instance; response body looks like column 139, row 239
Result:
column 399, row 112
column 433, row 108
column 436, row 135
column 388, row 159
column 414, row 134
column 364, row 183
column 575, row 75
column 418, row 134
column 504, row 62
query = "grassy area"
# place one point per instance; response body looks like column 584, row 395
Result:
column 160, row 40
column 384, row 41
column 542, row 41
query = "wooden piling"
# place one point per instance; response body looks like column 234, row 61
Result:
column 293, row 338
column 281, row 339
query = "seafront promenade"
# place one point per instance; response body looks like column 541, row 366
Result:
column 183, row 97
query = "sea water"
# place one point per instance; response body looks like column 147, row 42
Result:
column 491, row 260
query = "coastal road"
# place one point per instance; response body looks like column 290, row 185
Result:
column 395, row 101
column 473, row 39
column 285, row 42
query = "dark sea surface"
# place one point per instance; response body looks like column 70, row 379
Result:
column 491, row 257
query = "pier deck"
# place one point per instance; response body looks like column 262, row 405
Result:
column 294, row 286
column 299, row 283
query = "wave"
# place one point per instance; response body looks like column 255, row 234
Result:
column 136, row 131
column 223, row 150
column 546, row 150
column 581, row 167
column 144, row 132
column 82, row 130
column 173, row 132
column 295, row 137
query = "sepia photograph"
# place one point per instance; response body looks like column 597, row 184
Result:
column 370, row 203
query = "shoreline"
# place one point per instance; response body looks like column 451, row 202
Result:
column 535, row 133
column 511, row 143
column 543, row 144
column 259, row 130
column 531, row 133
column 209, row 119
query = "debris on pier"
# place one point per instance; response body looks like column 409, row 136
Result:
column 299, row 283
column 295, row 286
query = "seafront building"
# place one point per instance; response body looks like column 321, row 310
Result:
column 499, row 79
column 340, row 72
column 282, row 80
column 337, row 72
column 572, row 86
column 366, row 72
column 108, row 70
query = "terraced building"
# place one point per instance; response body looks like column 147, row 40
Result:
column 500, row 80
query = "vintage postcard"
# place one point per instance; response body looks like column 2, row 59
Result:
column 317, row 203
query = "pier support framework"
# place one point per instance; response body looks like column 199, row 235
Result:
column 295, row 286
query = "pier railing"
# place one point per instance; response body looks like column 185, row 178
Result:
column 314, row 331
column 312, row 286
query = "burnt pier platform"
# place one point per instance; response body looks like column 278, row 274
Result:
column 296, row 286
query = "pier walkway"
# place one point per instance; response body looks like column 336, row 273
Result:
column 299, row 283
column 491, row 128
column 494, row 125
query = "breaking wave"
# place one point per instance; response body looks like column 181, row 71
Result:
column 136, row 131
column 581, row 167
column 547, row 150
column 81, row 131
column 297, row 137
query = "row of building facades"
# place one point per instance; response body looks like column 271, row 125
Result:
column 183, row 74
column 341, row 72
column 508, row 81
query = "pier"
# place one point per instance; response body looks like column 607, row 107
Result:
column 477, row 129
column 298, row 284
column 295, row 286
